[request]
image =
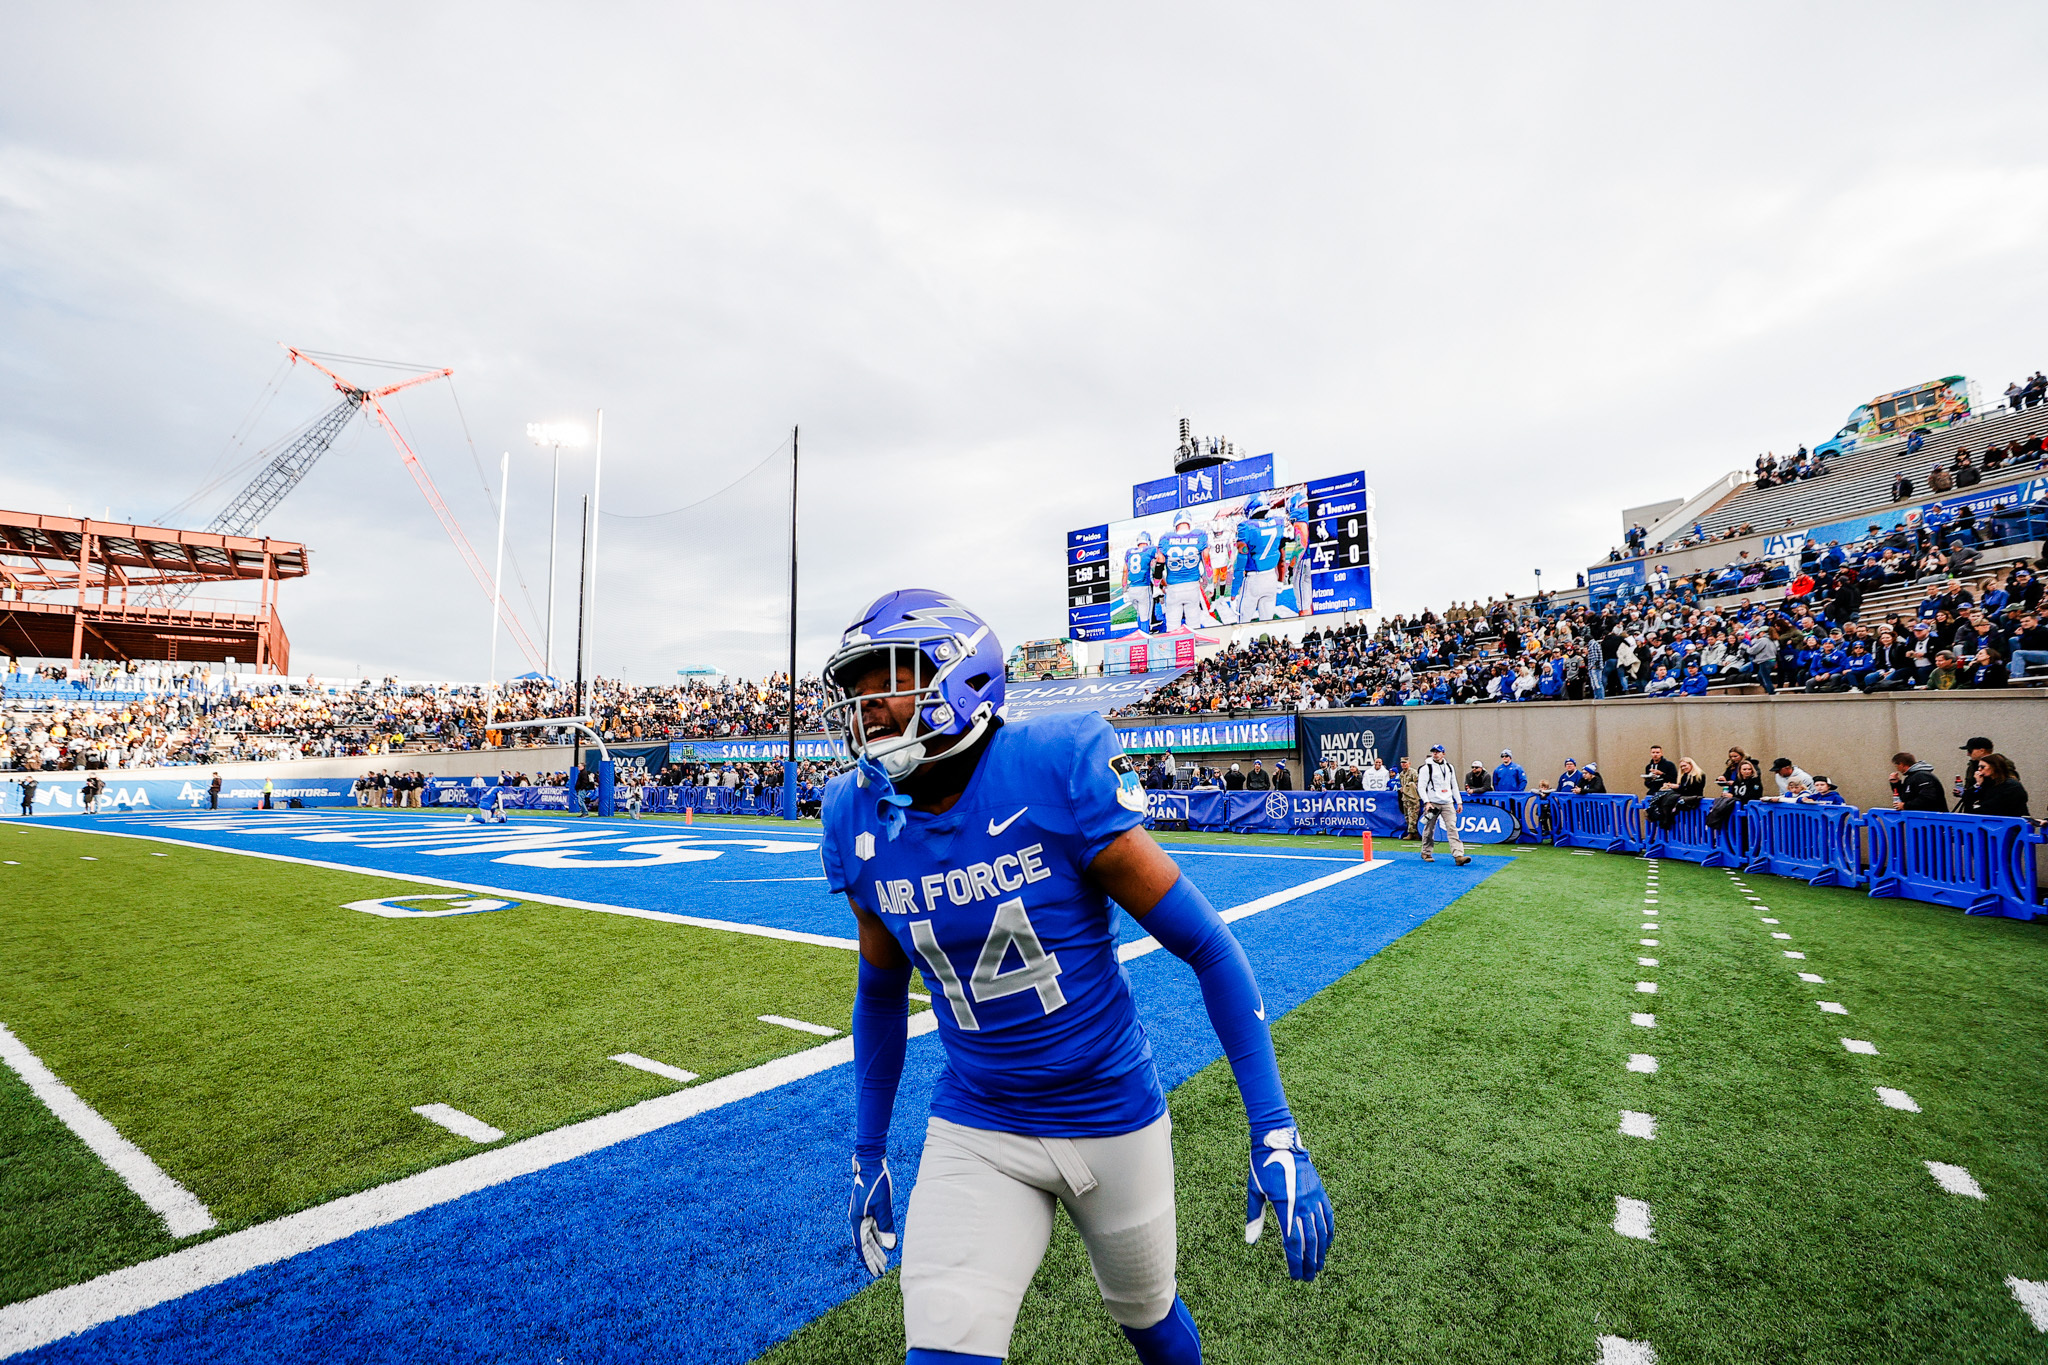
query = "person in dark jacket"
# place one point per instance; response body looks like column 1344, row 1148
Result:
column 1977, row 747
column 1914, row 785
column 1478, row 779
column 1659, row 772
column 1999, row 791
column 1986, row 670
column 1590, row 781
column 1283, row 781
column 1748, row 785
column 1259, row 780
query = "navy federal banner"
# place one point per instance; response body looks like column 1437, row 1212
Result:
column 1350, row 741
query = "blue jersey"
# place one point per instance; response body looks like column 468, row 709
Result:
column 1138, row 566
column 1259, row 540
column 1184, row 551
column 1016, row 947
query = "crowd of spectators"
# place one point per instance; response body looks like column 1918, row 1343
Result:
column 2026, row 393
column 1675, row 639
column 155, row 715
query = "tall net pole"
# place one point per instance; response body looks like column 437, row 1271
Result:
column 789, row 768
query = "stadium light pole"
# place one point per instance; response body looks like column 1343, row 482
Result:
column 789, row 769
column 555, row 435
column 596, row 512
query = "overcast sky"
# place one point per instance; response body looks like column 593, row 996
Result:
column 1525, row 266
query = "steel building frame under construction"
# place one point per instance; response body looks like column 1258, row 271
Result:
column 102, row 589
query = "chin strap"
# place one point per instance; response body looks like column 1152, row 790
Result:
column 889, row 803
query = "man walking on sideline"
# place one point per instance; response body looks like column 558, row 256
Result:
column 213, row 793
column 1437, row 786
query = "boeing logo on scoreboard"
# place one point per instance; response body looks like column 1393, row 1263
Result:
column 1160, row 495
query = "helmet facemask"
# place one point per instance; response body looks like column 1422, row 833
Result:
column 928, row 662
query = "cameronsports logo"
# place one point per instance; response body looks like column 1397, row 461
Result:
column 995, row 829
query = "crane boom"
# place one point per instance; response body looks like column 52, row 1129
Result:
column 246, row 512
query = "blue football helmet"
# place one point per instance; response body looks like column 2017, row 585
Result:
column 956, row 677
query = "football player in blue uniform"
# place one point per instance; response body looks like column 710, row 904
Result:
column 992, row 858
column 1260, row 538
column 1186, row 552
column 1297, row 531
column 1138, row 562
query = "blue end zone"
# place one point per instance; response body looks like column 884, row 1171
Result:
column 715, row 1238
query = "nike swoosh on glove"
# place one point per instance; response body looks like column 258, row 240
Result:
column 872, row 1212
column 1284, row 1177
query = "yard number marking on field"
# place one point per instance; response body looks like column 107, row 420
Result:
column 183, row 1214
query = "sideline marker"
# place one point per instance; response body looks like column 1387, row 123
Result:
column 689, row 815
column 1368, row 845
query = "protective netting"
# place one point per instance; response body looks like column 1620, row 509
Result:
column 701, row 585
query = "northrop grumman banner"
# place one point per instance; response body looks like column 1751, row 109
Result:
column 1194, row 736
column 1312, row 813
column 1351, row 741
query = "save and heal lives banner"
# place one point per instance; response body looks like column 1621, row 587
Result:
column 1266, row 732
column 1312, row 813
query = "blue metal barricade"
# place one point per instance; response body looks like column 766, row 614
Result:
column 1817, row 844
column 1692, row 840
column 1605, row 822
column 1972, row 862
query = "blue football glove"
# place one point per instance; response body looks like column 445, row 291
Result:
column 1283, row 1176
column 872, row 1212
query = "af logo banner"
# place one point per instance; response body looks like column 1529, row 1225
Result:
column 1350, row 741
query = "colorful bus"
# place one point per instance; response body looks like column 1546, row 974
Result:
column 1936, row 403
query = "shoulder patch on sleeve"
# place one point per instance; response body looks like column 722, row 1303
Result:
column 1130, row 792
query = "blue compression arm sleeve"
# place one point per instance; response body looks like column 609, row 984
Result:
column 881, row 1033
column 1187, row 926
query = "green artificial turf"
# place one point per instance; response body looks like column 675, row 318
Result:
column 1462, row 1095
column 265, row 1046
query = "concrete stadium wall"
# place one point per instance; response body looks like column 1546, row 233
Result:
column 1850, row 739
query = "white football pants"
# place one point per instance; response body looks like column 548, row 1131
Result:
column 1141, row 603
column 981, row 1215
column 1259, row 595
column 1183, row 606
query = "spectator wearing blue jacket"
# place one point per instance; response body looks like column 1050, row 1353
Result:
column 1694, row 683
column 1508, row 776
column 1823, row 794
column 1568, row 780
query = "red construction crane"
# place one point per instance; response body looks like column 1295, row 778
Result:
column 353, row 397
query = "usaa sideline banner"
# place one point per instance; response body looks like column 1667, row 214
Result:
column 1351, row 741
column 1311, row 813
column 59, row 795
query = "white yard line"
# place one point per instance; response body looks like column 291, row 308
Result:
column 1832, row 1006
column 2033, row 1299
column 65, row 1312
column 1622, row 1351
column 1634, row 1124
column 1632, row 1219
column 784, row 1021
column 458, row 1123
column 1897, row 1099
column 1140, row 947
column 1643, row 1062
column 633, row 912
column 1858, row 1045
column 1954, row 1179
column 1643, row 1020
column 648, row 1064
column 183, row 1214
column 1813, row 979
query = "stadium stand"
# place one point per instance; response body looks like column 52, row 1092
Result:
column 1863, row 480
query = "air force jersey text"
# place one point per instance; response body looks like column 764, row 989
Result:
column 1016, row 947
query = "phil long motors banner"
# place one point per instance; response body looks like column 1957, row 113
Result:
column 1195, row 736
column 1350, row 740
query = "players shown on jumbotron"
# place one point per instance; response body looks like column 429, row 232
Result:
column 1139, row 562
column 1185, row 549
column 988, row 855
column 1255, row 578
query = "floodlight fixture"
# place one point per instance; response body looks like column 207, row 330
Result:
column 570, row 434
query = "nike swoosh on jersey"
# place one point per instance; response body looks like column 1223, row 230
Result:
column 1260, row 1012
column 995, row 829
